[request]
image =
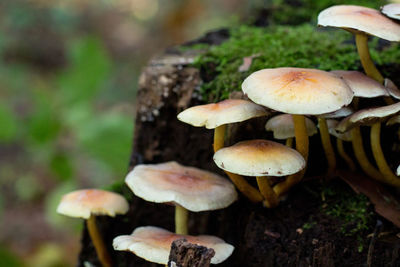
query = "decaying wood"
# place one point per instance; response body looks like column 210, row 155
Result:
column 185, row 254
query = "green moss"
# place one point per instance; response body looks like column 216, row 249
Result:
column 280, row 46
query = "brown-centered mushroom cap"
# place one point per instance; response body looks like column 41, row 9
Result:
column 362, row 19
column 392, row 11
column 154, row 243
column 367, row 117
column 191, row 188
column 283, row 127
column 227, row 111
column 297, row 90
column 259, row 158
column 84, row 203
column 361, row 84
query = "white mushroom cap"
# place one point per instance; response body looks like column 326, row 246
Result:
column 84, row 203
column 361, row 84
column 283, row 127
column 189, row 187
column 297, row 90
column 367, row 117
column 391, row 88
column 398, row 171
column 228, row 111
column 361, row 19
column 346, row 136
column 392, row 11
column 154, row 244
column 259, row 158
column 340, row 113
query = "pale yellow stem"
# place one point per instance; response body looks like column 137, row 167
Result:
column 361, row 157
column 365, row 57
column 301, row 146
column 327, row 145
column 289, row 142
column 181, row 220
column 98, row 242
column 387, row 173
column 241, row 184
column 344, row 155
column 271, row 199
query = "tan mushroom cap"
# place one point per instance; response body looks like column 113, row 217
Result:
column 393, row 120
column 189, row 187
column 391, row 88
column 259, row 158
column 283, row 127
column 361, row 84
column 154, row 244
column 297, row 90
column 367, row 117
column 227, row 111
column 84, row 203
column 346, row 136
column 361, row 19
column 340, row 113
column 392, row 11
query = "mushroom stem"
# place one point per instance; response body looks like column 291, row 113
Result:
column 327, row 145
column 181, row 219
column 387, row 173
column 301, row 136
column 361, row 157
column 271, row 199
column 98, row 242
column 289, row 142
column 365, row 57
column 241, row 184
column 344, row 155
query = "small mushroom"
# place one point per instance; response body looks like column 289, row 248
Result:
column 391, row 10
column 89, row 203
column 260, row 159
column 153, row 244
column 188, row 188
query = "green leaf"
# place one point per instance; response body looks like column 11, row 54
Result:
column 8, row 125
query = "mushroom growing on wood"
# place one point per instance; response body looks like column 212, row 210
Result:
column 89, row 203
column 188, row 188
column 154, row 243
column 216, row 116
column 260, row 158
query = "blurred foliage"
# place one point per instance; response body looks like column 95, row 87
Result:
column 8, row 259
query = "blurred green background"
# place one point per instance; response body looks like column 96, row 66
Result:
column 68, row 79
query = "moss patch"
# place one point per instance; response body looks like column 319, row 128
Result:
column 303, row 46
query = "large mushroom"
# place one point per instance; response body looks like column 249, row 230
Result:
column 89, row 203
column 217, row 116
column 154, row 243
column 188, row 188
column 297, row 91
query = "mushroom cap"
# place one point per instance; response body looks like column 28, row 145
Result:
column 227, row 111
column 391, row 10
column 361, row 84
column 393, row 120
column 297, row 90
column 283, row 127
column 340, row 113
column 189, row 187
column 398, row 171
column 84, row 203
column 346, row 136
column 367, row 117
column 154, row 244
column 259, row 158
column 362, row 19
column 391, row 88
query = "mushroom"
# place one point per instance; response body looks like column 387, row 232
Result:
column 216, row 116
column 153, row 244
column 392, row 88
column 283, row 128
column 361, row 21
column 188, row 188
column 371, row 116
column 260, row 158
column 297, row 91
column 391, row 10
column 89, row 203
